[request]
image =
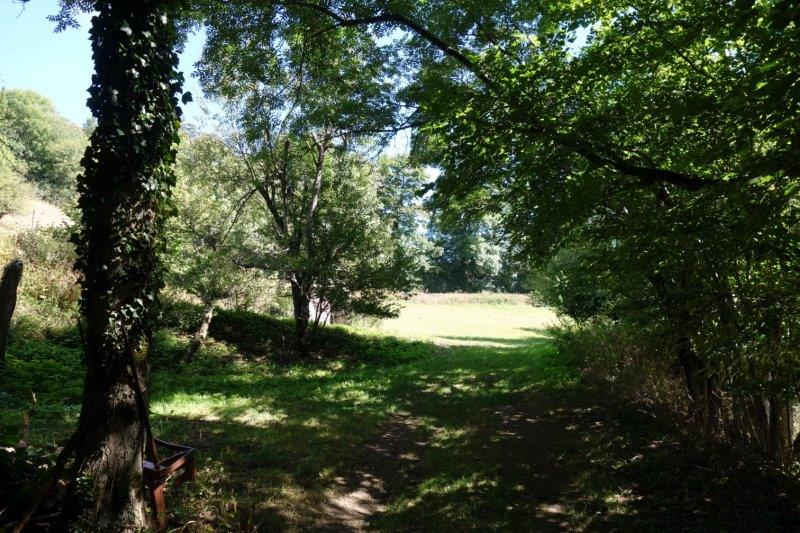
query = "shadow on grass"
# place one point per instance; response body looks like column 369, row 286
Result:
column 388, row 435
column 494, row 341
column 473, row 438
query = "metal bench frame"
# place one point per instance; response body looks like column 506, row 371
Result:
column 157, row 472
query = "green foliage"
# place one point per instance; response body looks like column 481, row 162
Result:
column 658, row 146
column 262, row 336
column 208, row 226
column 48, row 292
column 635, row 362
column 38, row 144
column 13, row 188
column 465, row 256
column 302, row 95
column 451, row 433
column 569, row 284
column 359, row 265
column 124, row 198
column 128, row 175
column 29, row 359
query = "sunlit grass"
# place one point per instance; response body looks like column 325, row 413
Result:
column 298, row 436
column 463, row 324
column 481, row 425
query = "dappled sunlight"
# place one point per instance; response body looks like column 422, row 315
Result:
column 504, row 437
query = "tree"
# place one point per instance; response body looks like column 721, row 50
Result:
column 12, row 169
column 46, row 146
column 635, row 140
column 207, row 231
column 301, row 96
column 466, row 256
column 123, row 191
column 400, row 190
column 359, row 266
column 596, row 118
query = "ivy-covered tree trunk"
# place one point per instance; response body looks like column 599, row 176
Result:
column 123, row 191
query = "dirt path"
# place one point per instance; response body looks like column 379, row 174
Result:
column 556, row 462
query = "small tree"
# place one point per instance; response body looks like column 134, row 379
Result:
column 300, row 94
column 360, row 265
column 207, row 229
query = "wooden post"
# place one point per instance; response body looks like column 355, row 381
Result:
column 12, row 274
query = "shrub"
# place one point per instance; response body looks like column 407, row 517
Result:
column 13, row 190
column 638, row 363
column 49, row 288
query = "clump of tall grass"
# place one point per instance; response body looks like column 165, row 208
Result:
column 49, row 291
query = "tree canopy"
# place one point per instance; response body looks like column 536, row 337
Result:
column 643, row 155
column 38, row 144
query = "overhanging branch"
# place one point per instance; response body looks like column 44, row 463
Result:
column 647, row 175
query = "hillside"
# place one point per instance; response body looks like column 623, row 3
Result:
column 34, row 213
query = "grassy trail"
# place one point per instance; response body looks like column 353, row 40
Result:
column 469, row 420
column 484, row 428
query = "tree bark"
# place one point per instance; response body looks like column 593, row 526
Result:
column 780, row 431
column 109, row 454
column 202, row 332
column 123, row 193
column 302, row 311
column 12, row 274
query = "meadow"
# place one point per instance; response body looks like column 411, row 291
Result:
column 466, row 417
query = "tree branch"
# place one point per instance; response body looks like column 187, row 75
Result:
column 645, row 174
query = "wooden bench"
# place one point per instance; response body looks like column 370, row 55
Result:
column 157, row 472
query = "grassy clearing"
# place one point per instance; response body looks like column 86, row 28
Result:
column 481, row 425
column 471, row 323
column 481, row 298
column 329, row 445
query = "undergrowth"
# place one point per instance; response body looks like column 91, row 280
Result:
column 636, row 364
column 383, row 433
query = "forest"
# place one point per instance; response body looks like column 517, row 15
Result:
column 570, row 303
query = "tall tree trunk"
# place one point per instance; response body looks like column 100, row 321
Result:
column 126, row 181
column 302, row 309
column 12, row 274
column 780, row 431
column 780, row 446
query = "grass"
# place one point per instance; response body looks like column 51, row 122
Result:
column 477, row 423
column 481, row 298
column 318, row 446
column 471, row 323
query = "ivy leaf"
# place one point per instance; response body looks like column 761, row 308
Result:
column 187, row 97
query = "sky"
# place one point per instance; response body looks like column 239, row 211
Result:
column 59, row 65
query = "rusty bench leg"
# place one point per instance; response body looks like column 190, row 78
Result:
column 160, row 507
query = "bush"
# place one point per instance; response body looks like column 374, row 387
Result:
column 13, row 190
column 49, row 290
column 256, row 335
column 638, row 363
